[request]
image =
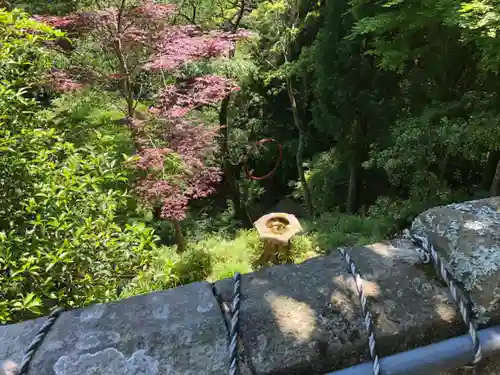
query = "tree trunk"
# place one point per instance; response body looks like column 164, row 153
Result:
column 496, row 182
column 443, row 163
column 300, row 170
column 489, row 170
column 228, row 168
column 300, row 149
column 179, row 237
column 352, row 191
column 356, row 154
column 125, row 81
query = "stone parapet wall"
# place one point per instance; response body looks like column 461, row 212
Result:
column 295, row 319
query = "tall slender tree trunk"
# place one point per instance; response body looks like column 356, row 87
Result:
column 228, row 168
column 352, row 190
column 179, row 236
column 443, row 163
column 489, row 170
column 496, row 182
column 357, row 154
column 299, row 161
column 127, row 89
column 299, row 157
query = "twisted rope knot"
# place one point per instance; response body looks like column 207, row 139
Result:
column 428, row 255
column 421, row 242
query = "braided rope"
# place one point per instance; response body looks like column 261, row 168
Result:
column 28, row 356
column 364, row 309
column 235, row 321
column 430, row 255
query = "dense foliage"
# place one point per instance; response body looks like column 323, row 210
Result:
column 126, row 128
column 64, row 238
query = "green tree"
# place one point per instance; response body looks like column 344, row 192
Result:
column 445, row 57
column 279, row 23
column 354, row 102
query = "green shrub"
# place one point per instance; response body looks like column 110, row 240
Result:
column 303, row 247
column 91, row 118
column 159, row 275
column 194, row 265
column 63, row 235
column 61, row 239
column 213, row 258
column 332, row 230
column 327, row 178
column 423, row 195
column 229, row 254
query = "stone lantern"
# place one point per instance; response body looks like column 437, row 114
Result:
column 275, row 231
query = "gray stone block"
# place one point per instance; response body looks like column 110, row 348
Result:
column 467, row 235
column 305, row 319
column 179, row 331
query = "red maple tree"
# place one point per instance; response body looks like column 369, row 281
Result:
column 143, row 38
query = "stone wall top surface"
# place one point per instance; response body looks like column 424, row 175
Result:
column 179, row 331
column 468, row 235
column 306, row 318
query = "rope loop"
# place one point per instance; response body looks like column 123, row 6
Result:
column 273, row 171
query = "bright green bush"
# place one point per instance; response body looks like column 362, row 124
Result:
column 159, row 275
column 327, row 179
column 63, row 236
column 91, row 117
column 332, row 230
column 213, row 258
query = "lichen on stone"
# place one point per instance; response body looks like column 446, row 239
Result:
column 94, row 338
column 483, row 259
column 472, row 233
column 109, row 361
column 92, row 312
column 451, row 231
column 471, row 270
column 478, row 209
column 161, row 312
column 205, row 307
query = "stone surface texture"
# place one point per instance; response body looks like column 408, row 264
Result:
column 180, row 331
column 294, row 319
column 488, row 366
column 305, row 319
column 468, row 236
